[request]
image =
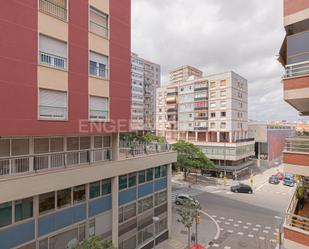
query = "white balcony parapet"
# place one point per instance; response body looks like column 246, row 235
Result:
column 297, row 144
column 296, row 70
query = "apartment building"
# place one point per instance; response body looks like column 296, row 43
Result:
column 146, row 78
column 211, row 112
column 182, row 73
column 269, row 140
column 64, row 175
column 294, row 57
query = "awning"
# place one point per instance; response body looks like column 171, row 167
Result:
column 233, row 169
column 197, row 246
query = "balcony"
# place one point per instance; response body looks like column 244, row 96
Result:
column 52, row 60
column 200, row 108
column 57, row 9
column 171, row 110
column 296, row 224
column 296, row 155
column 200, row 118
column 296, row 70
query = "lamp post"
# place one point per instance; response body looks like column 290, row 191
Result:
column 155, row 221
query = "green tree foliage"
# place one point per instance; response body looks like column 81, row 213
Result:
column 191, row 157
column 137, row 138
column 95, row 243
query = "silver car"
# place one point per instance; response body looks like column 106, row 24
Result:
column 182, row 198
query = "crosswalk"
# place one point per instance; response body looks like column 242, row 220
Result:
column 187, row 191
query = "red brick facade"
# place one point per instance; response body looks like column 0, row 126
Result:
column 296, row 159
column 296, row 83
column 293, row 6
column 296, row 236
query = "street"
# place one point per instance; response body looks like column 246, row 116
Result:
column 247, row 221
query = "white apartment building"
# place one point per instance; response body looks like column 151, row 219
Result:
column 211, row 112
column 146, row 77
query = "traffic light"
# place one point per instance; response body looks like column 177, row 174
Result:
column 198, row 219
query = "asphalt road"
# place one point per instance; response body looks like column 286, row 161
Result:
column 246, row 221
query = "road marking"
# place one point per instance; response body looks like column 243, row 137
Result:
column 216, row 191
column 258, row 225
column 214, row 216
column 261, row 186
column 273, row 241
column 250, row 235
column 227, row 223
column 268, row 228
column 215, row 245
column 245, row 227
column 227, row 247
column 248, row 223
column 229, row 193
column 239, row 221
column 265, row 231
column 278, row 217
column 275, row 233
column 261, row 238
column 236, row 225
column 219, row 221
column 230, row 231
column 214, row 221
column 230, row 219
column 222, row 218
column 240, row 233
column 255, row 229
column 221, row 229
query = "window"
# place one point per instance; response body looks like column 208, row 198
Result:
column 160, row 198
column 212, row 125
column 212, row 114
column 94, row 190
column 164, row 171
column 52, row 104
column 223, row 125
column 223, row 93
column 141, row 176
column 145, row 204
column 127, row 212
column 106, row 187
column 20, row 147
column 158, row 172
column 23, row 209
column 223, row 83
column 212, row 84
column 56, row 8
column 98, row 22
column 79, row 194
column 5, row 214
column 213, row 105
column 223, row 114
column 53, row 52
column 223, row 104
column 64, row 198
column 123, row 182
column 132, row 180
column 46, row 202
column 149, row 175
column 212, row 95
column 98, row 108
column 98, row 65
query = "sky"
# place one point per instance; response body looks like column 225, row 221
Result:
column 216, row 36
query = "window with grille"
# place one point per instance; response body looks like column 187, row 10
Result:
column 56, row 8
column 52, row 104
column 98, row 65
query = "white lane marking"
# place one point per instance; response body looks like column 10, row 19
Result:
column 255, row 229
column 227, row 247
column 214, row 216
column 230, row 231
column 227, row 223
column 248, row 223
column 245, row 227
column 215, row 245
column 273, row 241
column 268, row 228
column 229, row 193
column 219, row 221
column 258, row 225
column 236, row 225
column 221, row 229
column 265, row 231
column 261, row 186
column 222, row 218
column 278, row 217
column 240, row 233
column 216, row 191
column 230, row 219
column 214, row 221
column 239, row 221
column 262, row 238
column 250, row 235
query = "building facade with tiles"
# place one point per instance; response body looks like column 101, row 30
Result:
column 65, row 83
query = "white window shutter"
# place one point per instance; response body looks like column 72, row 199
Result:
column 52, row 46
column 53, row 104
column 98, row 58
column 98, row 108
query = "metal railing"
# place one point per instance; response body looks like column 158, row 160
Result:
column 49, row 161
column 297, row 69
column 52, row 60
column 128, row 149
column 50, row 7
column 297, row 144
column 98, row 115
column 99, row 29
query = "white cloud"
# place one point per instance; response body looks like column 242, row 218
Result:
column 218, row 35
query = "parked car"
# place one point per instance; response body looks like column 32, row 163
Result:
column 289, row 180
column 280, row 176
column 242, row 188
column 273, row 180
column 182, row 198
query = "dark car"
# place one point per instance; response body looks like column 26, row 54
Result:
column 242, row 188
column 273, row 180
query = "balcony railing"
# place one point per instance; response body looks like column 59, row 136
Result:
column 297, row 69
column 297, row 144
column 50, row 161
column 128, row 149
column 50, row 7
column 98, row 72
column 52, row 60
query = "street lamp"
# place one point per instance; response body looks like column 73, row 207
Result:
column 155, row 221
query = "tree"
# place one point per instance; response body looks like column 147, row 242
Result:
column 187, row 213
column 191, row 157
column 95, row 242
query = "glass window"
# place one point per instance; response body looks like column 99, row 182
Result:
column 79, row 193
column 94, row 190
column 158, row 172
column 129, row 243
column 164, row 171
column 132, row 179
column 123, row 182
column 223, row 83
column 20, row 147
column 92, row 227
column 141, row 176
column 5, row 214
column 72, row 143
column 23, row 209
column 41, row 145
column 46, row 202
column 107, row 141
column 64, row 198
column 84, row 143
column 129, row 211
column 56, row 144
column 106, row 187
column 149, row 175
column 212, row 84
column 98, row 143
column 4, row 147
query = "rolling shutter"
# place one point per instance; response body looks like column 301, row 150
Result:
column 53, row 104
column 98, row 108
